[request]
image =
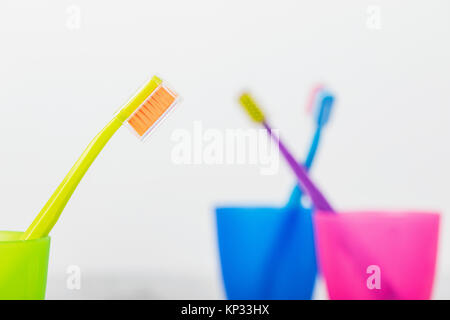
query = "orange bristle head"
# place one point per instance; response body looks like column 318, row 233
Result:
column 152, row 111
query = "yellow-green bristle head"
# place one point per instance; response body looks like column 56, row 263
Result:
column 251, row 107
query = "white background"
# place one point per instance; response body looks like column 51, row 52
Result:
column 141, row 226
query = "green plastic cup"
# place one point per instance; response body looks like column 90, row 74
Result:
column 23, row 267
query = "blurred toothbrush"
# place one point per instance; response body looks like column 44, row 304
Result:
column 255, row 113
column 319, row 201
column 143, row 112
column 321, row 102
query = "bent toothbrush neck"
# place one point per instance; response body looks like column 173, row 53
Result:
column 50, row 213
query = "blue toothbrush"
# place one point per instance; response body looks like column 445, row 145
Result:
column 322, row 101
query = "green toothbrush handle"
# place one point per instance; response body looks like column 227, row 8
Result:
column 50, row 213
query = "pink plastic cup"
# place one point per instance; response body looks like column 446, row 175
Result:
column 377, row 255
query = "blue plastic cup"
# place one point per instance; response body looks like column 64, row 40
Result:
column 267, row 253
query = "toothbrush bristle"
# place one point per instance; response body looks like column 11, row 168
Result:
column 251, row 107
column 152, row 110
column 313, row 97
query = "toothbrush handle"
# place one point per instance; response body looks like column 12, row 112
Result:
column 313, row 148
column 50, row 213
column 296, row 193
column 316, row 196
